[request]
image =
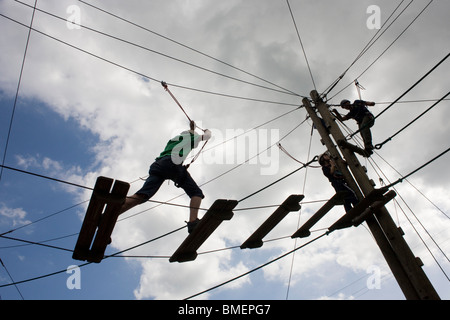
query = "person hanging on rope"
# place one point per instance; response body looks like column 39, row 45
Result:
column 169, row 165
column 362, row 116
column 337, row 180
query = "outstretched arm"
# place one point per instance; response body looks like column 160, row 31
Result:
column 338, row 115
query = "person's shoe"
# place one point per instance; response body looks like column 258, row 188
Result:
column 192, row 224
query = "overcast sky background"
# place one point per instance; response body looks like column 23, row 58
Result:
column 78, row 117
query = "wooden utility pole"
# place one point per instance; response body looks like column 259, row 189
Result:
column 406, row 268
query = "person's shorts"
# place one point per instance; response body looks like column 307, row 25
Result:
column 163, row 169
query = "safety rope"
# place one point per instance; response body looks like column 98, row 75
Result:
column 292, row 157
column 197, row 155
column 166, row 87
column 359, row 87
column 379, row 145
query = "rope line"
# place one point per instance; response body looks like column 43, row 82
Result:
column 187, row 47
column 379, row 145
column 366, row 48
column 140, row 73
column 257, row 268
column 299, row 215
column 11, row 278
column 36, row 243
column 414, row 85
column 418, row 169
column 84, row 264
column 17, row 91
column 315, row 159
column 146, row 242
column 407, row 91
column 373, row 164
column 46, row 177
column 155, row 52
column 392, row 43
column 249, row 130
column 301, row 43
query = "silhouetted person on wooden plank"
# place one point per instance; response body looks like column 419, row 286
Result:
column 169, row 165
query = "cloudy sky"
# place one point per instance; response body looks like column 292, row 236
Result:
column 90, row 103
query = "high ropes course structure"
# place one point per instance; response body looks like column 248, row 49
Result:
column 108, row 194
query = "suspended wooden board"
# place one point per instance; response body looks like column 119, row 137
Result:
column 373, row 208
column 220, row 210
column 354, row 148
column 359, row 213
column 289, row 205
column 304, row 232
column 100, row 219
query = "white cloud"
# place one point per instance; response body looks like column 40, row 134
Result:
column 340, row 296
column 161, row 280
column 12, row 217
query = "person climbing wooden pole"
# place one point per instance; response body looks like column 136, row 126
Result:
column 362, row 116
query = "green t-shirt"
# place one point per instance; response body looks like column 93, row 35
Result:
column 180, row 146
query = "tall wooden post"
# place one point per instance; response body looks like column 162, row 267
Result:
column 404, row 265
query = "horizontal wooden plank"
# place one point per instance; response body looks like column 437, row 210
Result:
column 303, row 231
column 292, row 203
column 372, row 209
column 220, row 210
column 346, row 220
